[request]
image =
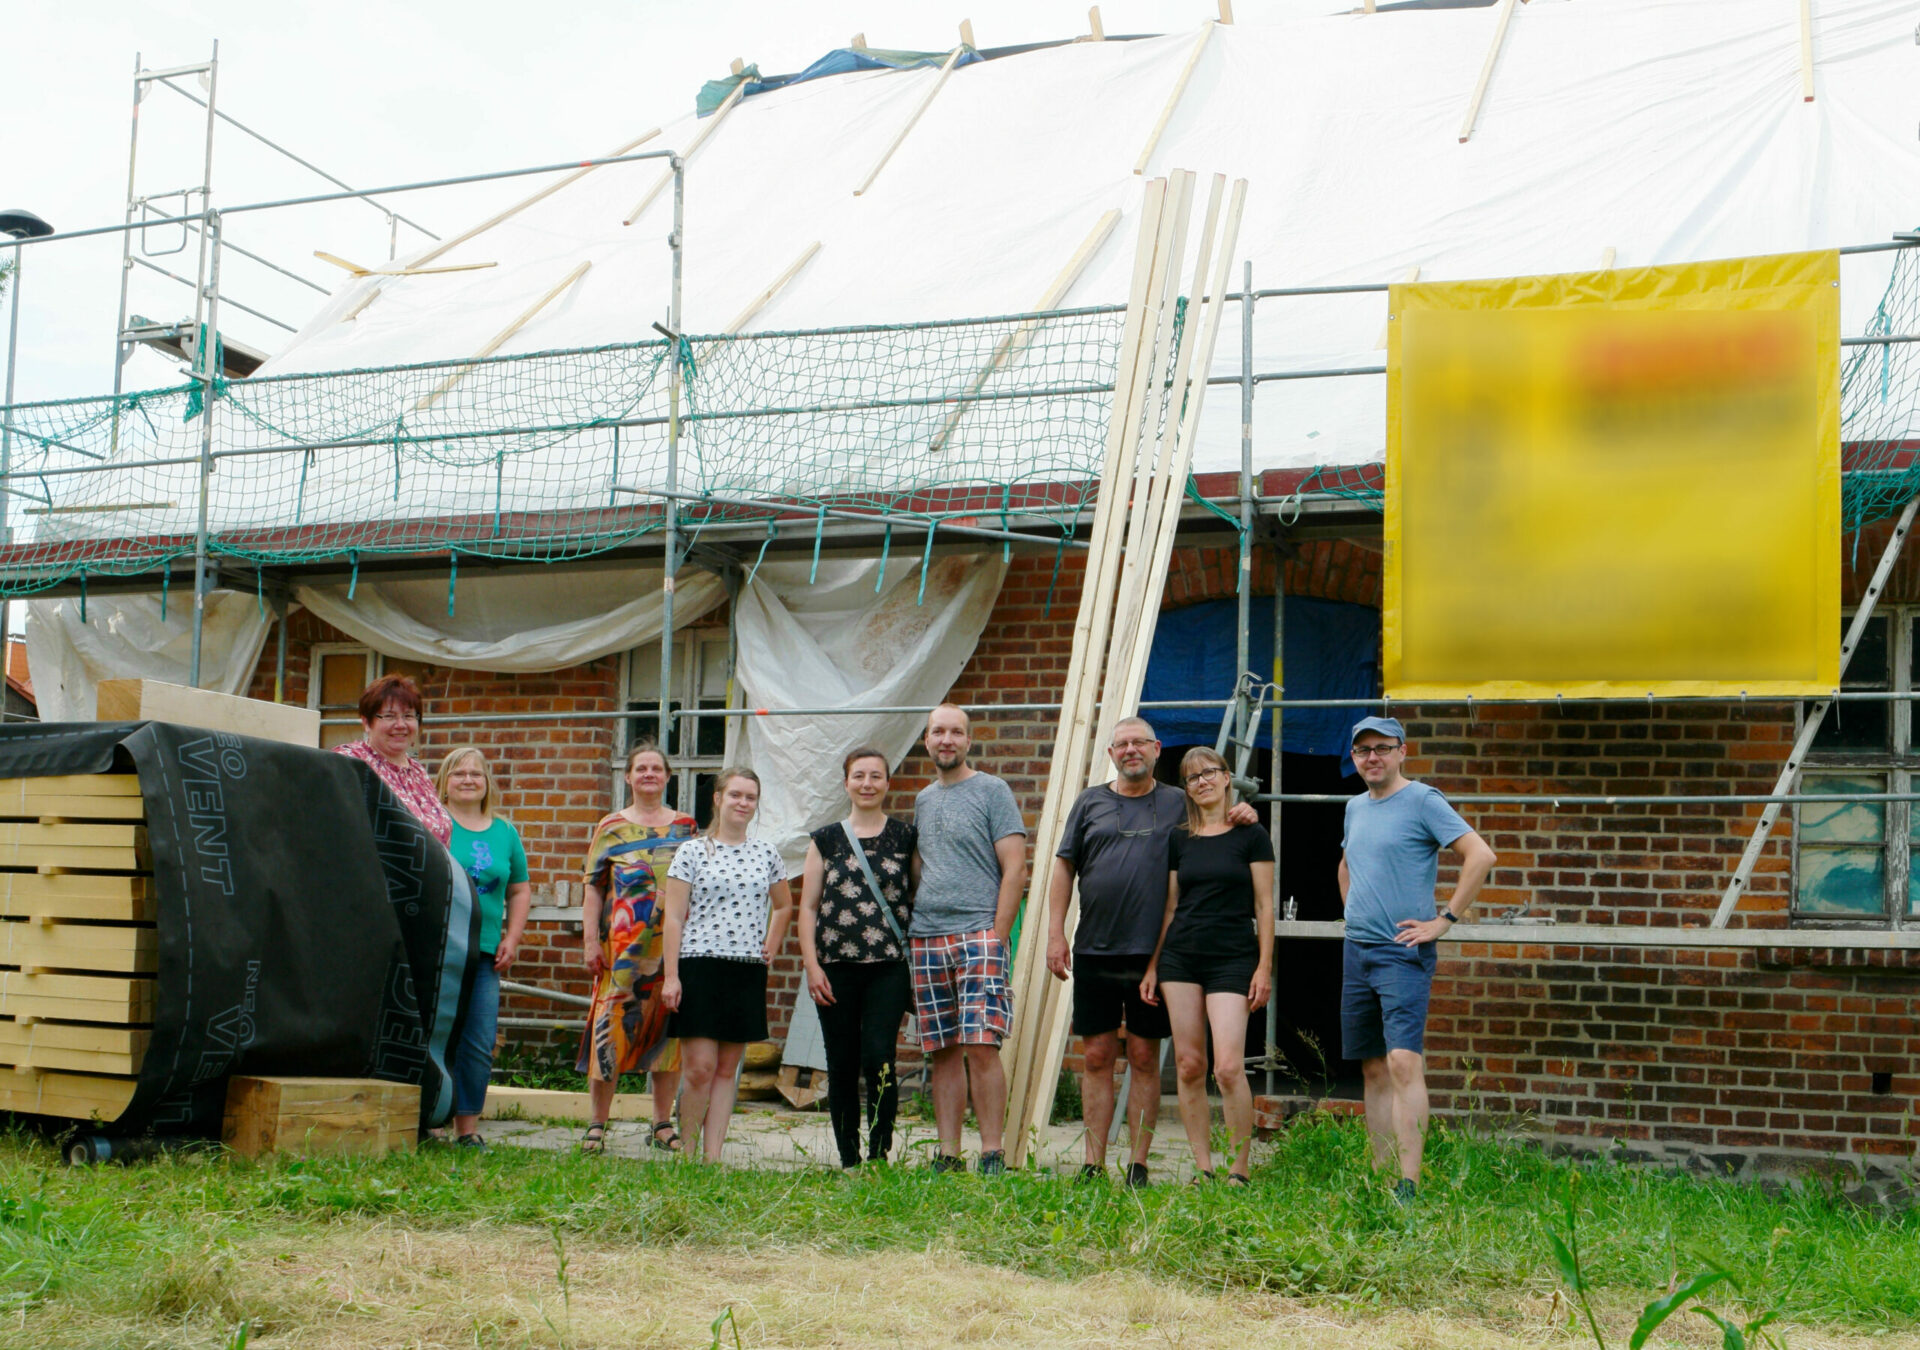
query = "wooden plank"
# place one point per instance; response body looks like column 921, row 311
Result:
column 1486, row 70
column 76, row 1049
column 97, row 848
column 1173, row 99
column 309, row 1116
column 946, row 69
column 759, row 302
column 365, row 300
column 525, row 318
column 1806, row 51
column 1010, row 346
column 1226, row 11
column 121, row 1000
column 544, row 1104
column 76, row 895
column 520, row 206
column 130, row 809
column 158, row 701
column 79, row 946
column 76, row 1096
column 1096, row 31
column 727, row 105
column 14, row 790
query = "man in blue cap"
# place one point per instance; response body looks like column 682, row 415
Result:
column 1389, row 866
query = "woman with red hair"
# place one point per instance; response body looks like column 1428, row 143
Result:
column 390, row 713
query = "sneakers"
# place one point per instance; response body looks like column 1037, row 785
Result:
column 949, row 1162
column 1405, row 1192
column 992, row 1164
column 469, row 1141
column 1137, row 1177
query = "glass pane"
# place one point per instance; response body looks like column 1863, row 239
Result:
column 711, row 737
column 703, row 798
column 1913, row 884
column 1861, row 726
column 1842, row 881
column 1843, row 822
column 713, row 666
column 643, row 674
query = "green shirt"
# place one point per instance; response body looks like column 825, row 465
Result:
column 493, row 860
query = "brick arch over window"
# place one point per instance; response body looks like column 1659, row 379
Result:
column 1323, row 569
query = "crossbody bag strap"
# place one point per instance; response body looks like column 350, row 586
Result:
column 866, row 870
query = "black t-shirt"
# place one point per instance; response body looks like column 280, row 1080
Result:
column 1214, row 915
column 1118, row 846
column 850, row 926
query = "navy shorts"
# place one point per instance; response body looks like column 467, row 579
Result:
column 1383, row 998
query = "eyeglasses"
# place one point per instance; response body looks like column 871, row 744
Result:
column 389, row 718
column 1203, row 776
column 1134, row 745
column 1374, row 751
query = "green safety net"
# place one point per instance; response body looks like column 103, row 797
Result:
column 559, row 455
column 1880, row 405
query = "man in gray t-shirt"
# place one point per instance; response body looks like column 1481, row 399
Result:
column 968, row 872
column 1389, row 861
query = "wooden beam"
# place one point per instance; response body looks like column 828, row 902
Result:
column 946, row 69
column 1226, row 11
column 1173, row 99
column 308, row 1116
column 1486, row 70
column 357, row 270
column 1806, row 51
column 526, row 317
column 75, row 1048
column 76, row 895
column 737, row 66
column 759, row 302
column 1096, row 32
column 859, row 43
column 727, row 105
column 76, row 998
column 966, row 33
column 522, row 205
column 80, row 947
column 159, row 701
column 75, row 1096
column 1010, row 346
column 1607, row 256
column 355, row 312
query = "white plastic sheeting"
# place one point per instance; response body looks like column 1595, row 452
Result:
column 836, row 644
column 124, row 637
column 1666, row 132
column 523, row 624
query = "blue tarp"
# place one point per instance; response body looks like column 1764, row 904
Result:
column 1332, row 651
column 838, row 62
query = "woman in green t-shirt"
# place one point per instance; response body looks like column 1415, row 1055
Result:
column 488, row 850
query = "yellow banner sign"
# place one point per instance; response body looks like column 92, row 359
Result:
column 1615, row 483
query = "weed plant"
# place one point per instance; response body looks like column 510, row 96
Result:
column 153, row 1240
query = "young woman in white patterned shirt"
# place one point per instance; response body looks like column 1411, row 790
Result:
column 856, row 900
column 727, row 912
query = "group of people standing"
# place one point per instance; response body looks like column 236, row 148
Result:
column 1175, row 938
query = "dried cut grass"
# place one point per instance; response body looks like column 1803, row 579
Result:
column 357, row 1286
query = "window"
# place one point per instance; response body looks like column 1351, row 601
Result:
column 700, row 673
column 340, row 674
column 1854, row 861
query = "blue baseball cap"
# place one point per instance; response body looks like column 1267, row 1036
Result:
column 1386, row 726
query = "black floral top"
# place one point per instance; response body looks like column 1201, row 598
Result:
column 850, row 926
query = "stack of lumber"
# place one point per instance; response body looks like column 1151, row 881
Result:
column 77, row 944
column 1159, row 387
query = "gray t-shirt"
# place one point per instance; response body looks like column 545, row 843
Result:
column 1393, row 858
column 959, row 871
column 1118, row 846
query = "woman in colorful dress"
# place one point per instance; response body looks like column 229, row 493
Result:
column 390, row 713
column 856, row 902
column 621, row 920
column 488, row 849
column 727, row 912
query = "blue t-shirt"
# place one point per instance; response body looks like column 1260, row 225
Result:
column 493, row 860
column 1393, row 858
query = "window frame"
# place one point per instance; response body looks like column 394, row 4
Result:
column 693, row 663
column 1897, row 761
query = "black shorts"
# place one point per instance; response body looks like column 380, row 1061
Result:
column 721, row 1000
column 1214, row 972
column 1106, row 993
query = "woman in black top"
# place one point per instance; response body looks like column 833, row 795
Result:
column 855, row 948
column 1215, row 959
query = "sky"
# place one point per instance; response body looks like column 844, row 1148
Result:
column 376, row 94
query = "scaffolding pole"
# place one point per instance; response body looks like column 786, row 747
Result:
column 670, row 560
column 207, row 359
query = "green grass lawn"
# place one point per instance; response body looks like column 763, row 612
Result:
column 145, row 1242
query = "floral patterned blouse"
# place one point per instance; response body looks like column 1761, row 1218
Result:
column 410, row 782
column 850, row 927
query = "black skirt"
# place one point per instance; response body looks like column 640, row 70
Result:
column 721, row 1000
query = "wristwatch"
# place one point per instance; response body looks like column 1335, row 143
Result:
column 1449, row 916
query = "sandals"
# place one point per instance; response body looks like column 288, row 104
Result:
column 664, row 1137
column 1236, row 1179
column 595, row 1140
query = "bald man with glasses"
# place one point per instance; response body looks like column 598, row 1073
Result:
column 1115, row 844
column 1389, row 867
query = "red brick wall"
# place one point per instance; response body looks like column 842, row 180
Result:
column 1728, row 1052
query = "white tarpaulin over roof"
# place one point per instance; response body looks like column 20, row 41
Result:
column 1661, row 131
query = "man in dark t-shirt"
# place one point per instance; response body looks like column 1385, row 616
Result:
column 1115, row 843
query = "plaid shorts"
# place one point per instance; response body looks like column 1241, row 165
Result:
column 960, row 992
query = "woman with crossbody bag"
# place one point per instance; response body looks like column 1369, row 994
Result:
column 856, row 899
